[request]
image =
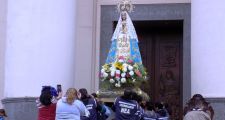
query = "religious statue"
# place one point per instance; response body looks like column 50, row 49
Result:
column 123, row 65
column 124, row 41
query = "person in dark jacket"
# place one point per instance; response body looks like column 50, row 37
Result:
column 91, row 104
column 125, row 107
column 161, row 112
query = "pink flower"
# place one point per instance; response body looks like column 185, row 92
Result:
column 117, row 75
column 130, row 61
column 138, row 73
column 121, row 57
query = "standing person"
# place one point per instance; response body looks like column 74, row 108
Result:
column 125, row 107
column 47, row 103
column 90, row 103
column 69, row 107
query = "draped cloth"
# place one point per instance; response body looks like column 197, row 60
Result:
column 134, row 53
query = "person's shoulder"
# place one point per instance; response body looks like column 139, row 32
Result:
column 78, row 101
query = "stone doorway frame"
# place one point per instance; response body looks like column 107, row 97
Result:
column 144, row 10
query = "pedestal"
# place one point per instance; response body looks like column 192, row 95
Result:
column 23, row 108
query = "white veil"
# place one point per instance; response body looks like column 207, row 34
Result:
column 130, row 28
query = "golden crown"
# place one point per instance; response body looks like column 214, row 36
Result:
column 125, row 5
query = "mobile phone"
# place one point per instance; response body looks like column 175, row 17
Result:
column 59, row 88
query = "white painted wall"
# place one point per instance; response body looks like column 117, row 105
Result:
column 85, row 32
column 208, row 47
column 3, row 7
column 40, row 45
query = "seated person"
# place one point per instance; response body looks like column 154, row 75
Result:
column 149, row 111
column 198, row 109
column 105, row 111
column 161, row 112
column 125, row 107
column 91, row 104
column 70, row 107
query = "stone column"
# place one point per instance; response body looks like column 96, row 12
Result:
column 3, row 11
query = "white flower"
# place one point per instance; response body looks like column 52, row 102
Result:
column 130, row 67
column 123, row 74
column 125, row 69
column 117, row 85
column 125, row 64
column 111, row 80
column 121, row 60
column 112, row 69
column 134, row 80
column 123, row 80
column 105, row 74
column 102, row 70
column 117, row 71
column 112, row 73
column 131, row 73
column 117, row 78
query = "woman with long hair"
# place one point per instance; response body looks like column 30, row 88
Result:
column 90, row 103
column 197, row 108
column 69, row 107
column 47, row 103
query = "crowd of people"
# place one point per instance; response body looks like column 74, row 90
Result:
column 79, row 105
column 74, row 105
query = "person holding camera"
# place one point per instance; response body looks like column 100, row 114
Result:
column 47, row 103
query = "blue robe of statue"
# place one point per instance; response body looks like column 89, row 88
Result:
column 134, row 53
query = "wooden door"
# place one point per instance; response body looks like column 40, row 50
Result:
column 161, row 50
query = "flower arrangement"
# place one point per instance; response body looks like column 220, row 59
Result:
column 123, row 73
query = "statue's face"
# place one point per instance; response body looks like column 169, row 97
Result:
column 123, row 16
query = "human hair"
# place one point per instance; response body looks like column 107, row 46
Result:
column 159, row 105
column 84, row 93
column 46, row 98
column 51, row 89
column 84, row 96
column 128, row 94
column 71, row 95
column 150, row 106
column 94, row 95
column 137, row 97
column 2, row 113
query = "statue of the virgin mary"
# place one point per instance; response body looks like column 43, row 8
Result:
column 123, row 67
column 124, row 39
